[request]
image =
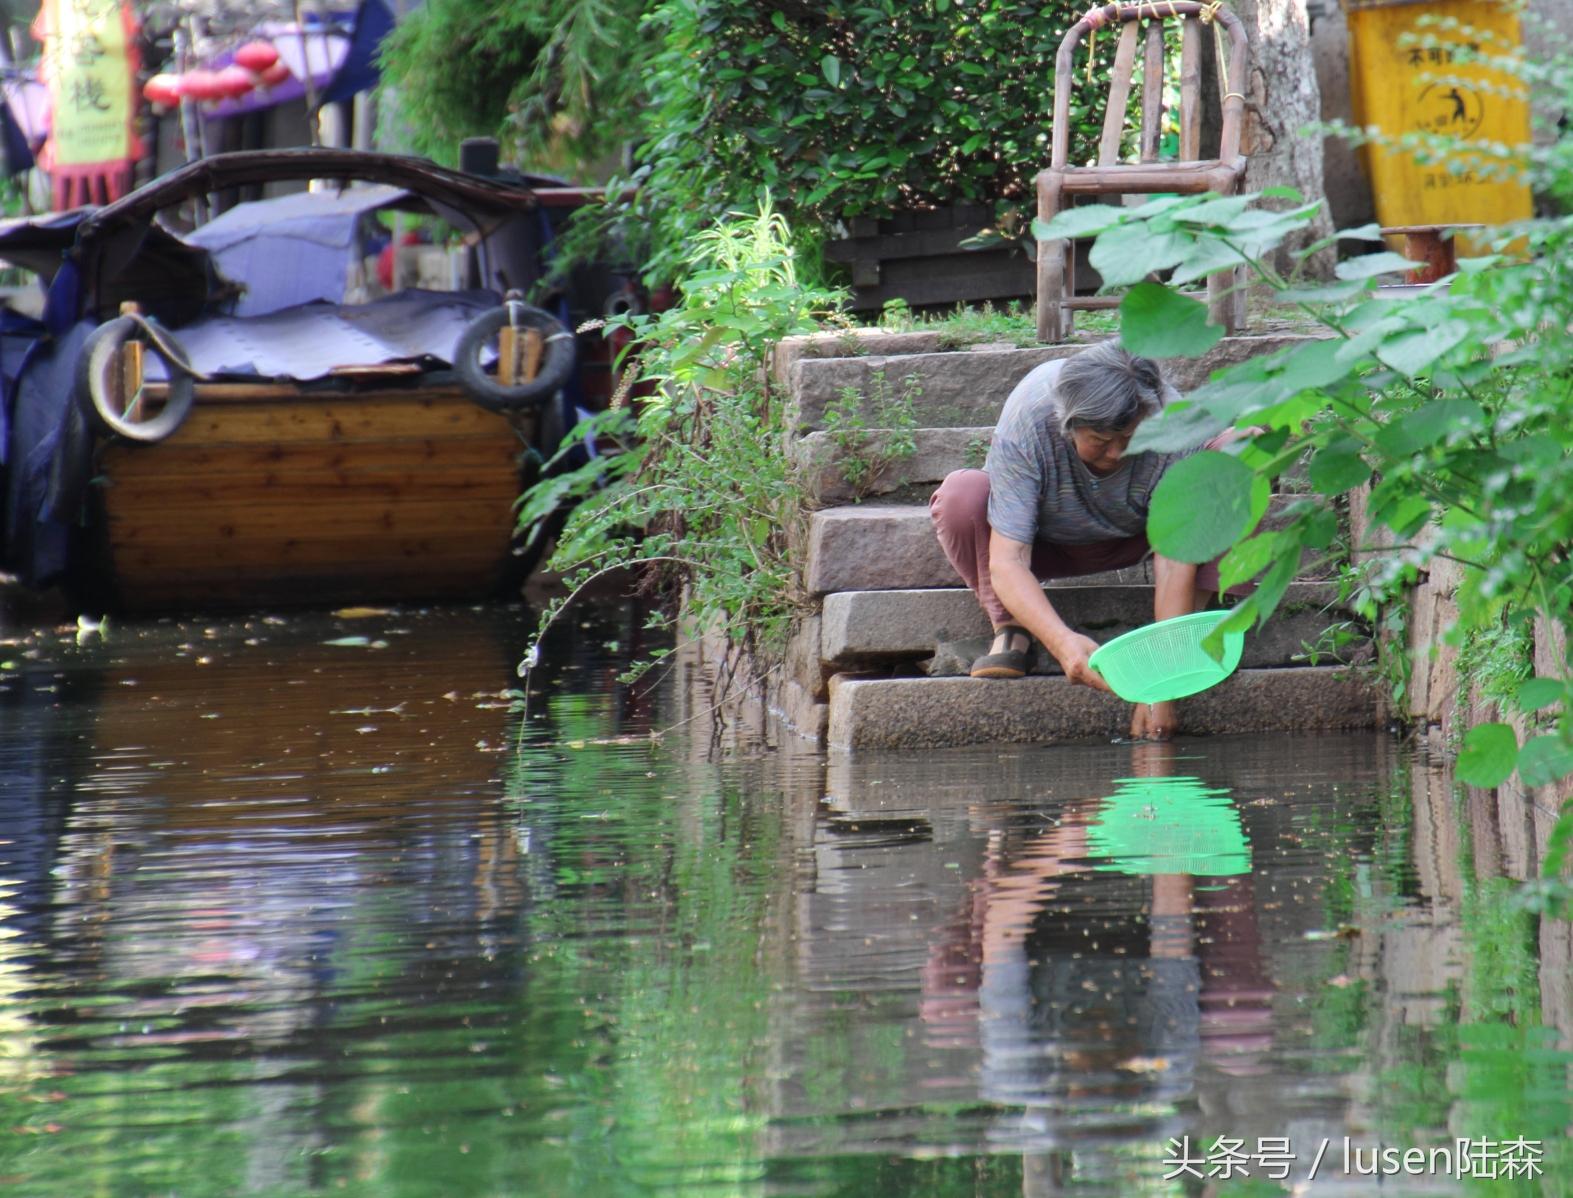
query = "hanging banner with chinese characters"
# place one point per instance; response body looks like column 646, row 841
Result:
column 1419, row 69
column 90, row 66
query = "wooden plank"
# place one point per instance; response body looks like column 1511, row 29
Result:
column 353, row 517
column 1152, row 92
column 123, row 463
column 1190, row 91
column 294, row 392
column 130, row 381
column 1119, row 95
column 534, row 346
column 351, row 419
column 245, row 492
column 379, row 370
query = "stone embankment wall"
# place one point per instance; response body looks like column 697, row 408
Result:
column 1441, row 704
column 880, row 654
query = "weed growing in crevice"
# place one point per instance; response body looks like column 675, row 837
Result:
column 871, row 433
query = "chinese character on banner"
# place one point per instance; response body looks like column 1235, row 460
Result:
column 90, row 66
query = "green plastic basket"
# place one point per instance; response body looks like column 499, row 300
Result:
column 1166, row 660
column 1169, row 826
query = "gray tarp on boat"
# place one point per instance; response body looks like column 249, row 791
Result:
column 301, row 247
column 309, row 341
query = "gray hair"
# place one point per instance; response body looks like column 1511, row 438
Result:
column 1107, row 389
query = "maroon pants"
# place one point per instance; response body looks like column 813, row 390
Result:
column 960, row 511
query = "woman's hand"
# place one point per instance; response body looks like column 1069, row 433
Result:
column 1072, row 651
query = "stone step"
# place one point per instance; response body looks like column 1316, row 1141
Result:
column 892, row 547
column 821, row 462
column 966, row 388
column 932, row 713
column 858, row 628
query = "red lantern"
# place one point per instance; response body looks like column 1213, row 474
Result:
column 257, row 56
column 234, row 81
column 276, row 74
column 163, row 90
column 201, row 85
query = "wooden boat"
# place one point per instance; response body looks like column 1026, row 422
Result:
column 321, row 452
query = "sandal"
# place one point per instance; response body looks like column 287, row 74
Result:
column 1010, row 663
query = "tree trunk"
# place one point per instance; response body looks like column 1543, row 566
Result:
column 1281, row 99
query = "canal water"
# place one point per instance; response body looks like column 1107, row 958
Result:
column 302, row 904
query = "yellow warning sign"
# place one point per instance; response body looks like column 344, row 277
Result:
column 1427, row 82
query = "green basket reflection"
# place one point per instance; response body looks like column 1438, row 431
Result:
column 1169, row 826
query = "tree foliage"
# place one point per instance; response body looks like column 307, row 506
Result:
column 558, row 81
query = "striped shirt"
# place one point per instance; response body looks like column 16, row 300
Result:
column 1040, row 490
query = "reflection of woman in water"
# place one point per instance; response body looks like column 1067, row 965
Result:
column 1098, row 993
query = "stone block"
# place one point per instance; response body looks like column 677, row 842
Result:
column 925, row 713
column 797, row 708
column 875, row 547
column 803, row 657
column 882, row 547
column 848, row 343
column 968, row 387
column 1282, row 642
column 863, row 625
column 819, row 463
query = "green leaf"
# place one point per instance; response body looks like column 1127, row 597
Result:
column 778, row 19
column 1540, row 692
column 1318, row 528
column 1489, row 754
column 1333, row 293
column 1224, row 211
column 1371, row 232
column 1158, row 323
column 1201, row 507
column 1128, row 253
column 1545, row 759
column 1207, row 256
column 1337, row 468
column 1410, row 353
column 1085, row 220
column 1311, row 366
column 1471, row 266
column 1282, row 193
column 1428, row 424
column 830, row 65
column 1247, row 559
column 1370, row 265
column 1182, row 426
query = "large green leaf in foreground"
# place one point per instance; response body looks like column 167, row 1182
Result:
column 1202, row 507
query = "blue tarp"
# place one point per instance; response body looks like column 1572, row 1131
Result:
column 293, row 249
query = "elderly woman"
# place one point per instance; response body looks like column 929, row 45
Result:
column 1060, row 497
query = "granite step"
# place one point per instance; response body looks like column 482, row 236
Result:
column 819, row 460
column 892, row 547
column 932, row 713
column 858, row 628
column 966, row 388
column 820, row 463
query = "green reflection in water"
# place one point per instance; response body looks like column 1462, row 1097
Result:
column 629, row 1021
column 1169, row 826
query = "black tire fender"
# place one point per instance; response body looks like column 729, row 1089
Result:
column 93, row 391
column 557, row 362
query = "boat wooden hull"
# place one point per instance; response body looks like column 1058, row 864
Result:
column 269, row 495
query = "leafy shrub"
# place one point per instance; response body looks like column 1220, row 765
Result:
column 845, row 109
column 700, row 494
